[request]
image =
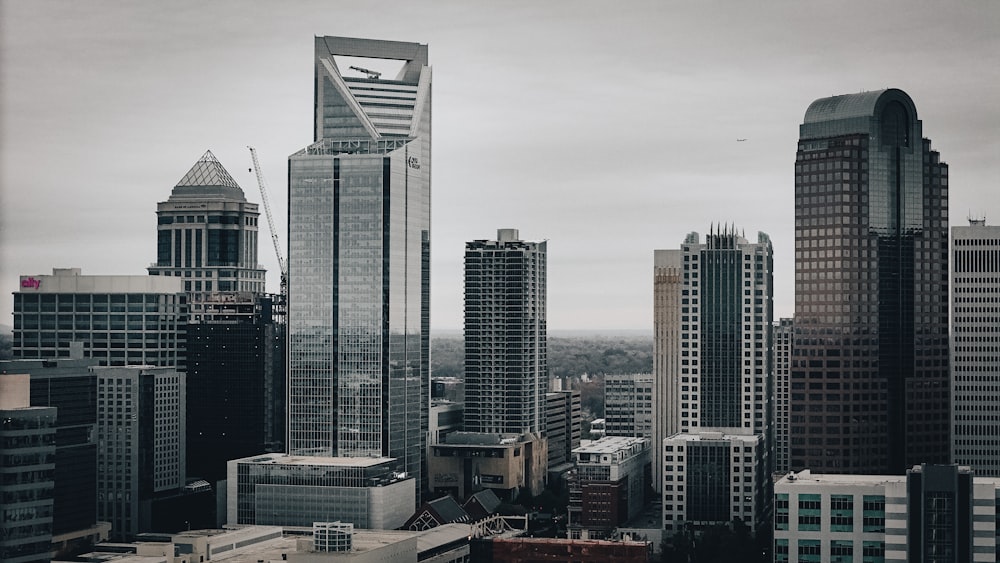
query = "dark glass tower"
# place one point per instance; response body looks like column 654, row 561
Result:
column 869, row 375
column 359, row 260
column 235, row 382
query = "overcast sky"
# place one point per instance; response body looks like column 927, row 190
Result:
column 608, row 128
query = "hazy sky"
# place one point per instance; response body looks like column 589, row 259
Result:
column 608, row 128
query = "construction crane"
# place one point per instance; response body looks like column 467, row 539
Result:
column 372, row 74
column 282, row 265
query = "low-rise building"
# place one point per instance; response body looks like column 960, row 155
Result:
column 278, row 489
column 470, row 461
column 610, row 485
column 628, row 405
column 712, row 478
column 559, row 550
column 933, row 513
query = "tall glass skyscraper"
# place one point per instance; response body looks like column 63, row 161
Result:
column 359, row 260
column 869, row 375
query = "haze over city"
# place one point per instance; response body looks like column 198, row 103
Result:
column 608, row 129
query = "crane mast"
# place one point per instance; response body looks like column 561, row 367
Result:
column 282, row 265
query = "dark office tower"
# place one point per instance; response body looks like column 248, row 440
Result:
column 506, row 364
column 27, row 473
column 69, row 386
column 235, row 381
column 207, row 233
column 359, row 260
column 940, row 516
column 869, row 376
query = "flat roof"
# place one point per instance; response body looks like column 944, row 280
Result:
column 609, row 444
column 286, row 459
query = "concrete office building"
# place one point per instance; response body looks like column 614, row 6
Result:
column 782, row 363
column 27, row 473
column 724, row 347
column 467, row 462
column 506, row 347
column 140, row 444
column 563, row 427
column 628, row 405
column 359, row 261
column 975, row 343
column 610, row 485
column 69, row 386
column 871, row 289
column 712, row 478
column 715, row 364
column 207, row 233
column 932, row 513
column 286, row 490
column 116, row 320
column 668, row 281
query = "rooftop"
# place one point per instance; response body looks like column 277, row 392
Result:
column 285, row 459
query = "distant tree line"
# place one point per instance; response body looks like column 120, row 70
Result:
column 581, row 362
column 568, row 357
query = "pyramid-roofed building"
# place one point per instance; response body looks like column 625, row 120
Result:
column 207, row 179
column 207, row 233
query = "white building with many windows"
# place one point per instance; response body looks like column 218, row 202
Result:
column 975, row 347
column 713, row 478
column 933, row 513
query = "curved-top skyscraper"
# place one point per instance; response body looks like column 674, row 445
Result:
column 869, row 376
column 359, row 259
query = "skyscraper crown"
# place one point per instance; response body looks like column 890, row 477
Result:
column 207, row 178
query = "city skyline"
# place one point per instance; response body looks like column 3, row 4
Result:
column 531, row 94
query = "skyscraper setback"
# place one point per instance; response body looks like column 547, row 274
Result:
column 359, row 259
column 869, row 375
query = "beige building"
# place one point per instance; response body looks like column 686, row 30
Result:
column 506, row 463
column 668, row 277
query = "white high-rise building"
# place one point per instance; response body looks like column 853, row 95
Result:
column 714, row 353
column 975, row 347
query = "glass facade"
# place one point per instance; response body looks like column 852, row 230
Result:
column 359, row 270
column 869, row 376
column 115, row 329
column 276, row 490
column 27, row 461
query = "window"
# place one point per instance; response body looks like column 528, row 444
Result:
column 873, row 513
column 781, row 512
column 809, row 512
column 841, row 551
column 809, row 551
column 841, row 513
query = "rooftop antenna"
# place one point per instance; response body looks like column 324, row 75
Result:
column 372, row 75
